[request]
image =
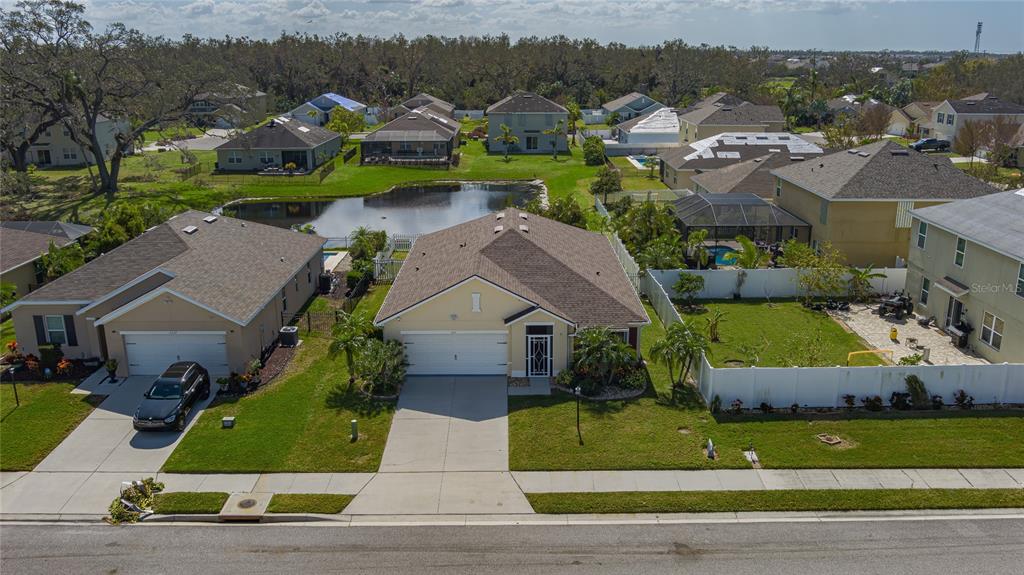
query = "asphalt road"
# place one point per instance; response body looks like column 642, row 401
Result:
column 937, row 546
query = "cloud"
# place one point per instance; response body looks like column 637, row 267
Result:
column 314, row 9
column 199, row 8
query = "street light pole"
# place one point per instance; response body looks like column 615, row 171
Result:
column 576, row 392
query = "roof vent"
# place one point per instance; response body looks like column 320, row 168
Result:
column 757, row 160
column 190, row 229
column 498, row 228
column 499, row 216
column 899, row 152
column 524, row 228
column 774, row 149
column 522, row 215
column 726, row 109
column 852, row 151
column 210, row 219
column 796, row 158
column 863, row 154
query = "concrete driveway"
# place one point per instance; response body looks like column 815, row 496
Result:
column 106, row 441
column 449, row 424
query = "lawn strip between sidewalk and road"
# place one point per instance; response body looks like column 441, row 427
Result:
column 323, row 503
column 186, row 502
column 775, row 500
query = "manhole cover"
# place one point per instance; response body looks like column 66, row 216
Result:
column 246, row 503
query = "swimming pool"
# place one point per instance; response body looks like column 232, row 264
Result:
column 640, row 160
column 719, row 253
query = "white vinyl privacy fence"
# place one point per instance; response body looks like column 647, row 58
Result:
column 826, row 386
column 629, row 265
column 663, row 306
column 764, row 284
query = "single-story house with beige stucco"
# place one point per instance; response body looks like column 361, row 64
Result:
column 198, row 287
column 23, row 242
column 504, row 294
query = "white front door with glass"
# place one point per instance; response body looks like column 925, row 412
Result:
column 538, row 350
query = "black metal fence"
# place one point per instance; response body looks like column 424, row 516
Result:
column 190, row 172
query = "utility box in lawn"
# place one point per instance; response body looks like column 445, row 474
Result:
column 289, row 336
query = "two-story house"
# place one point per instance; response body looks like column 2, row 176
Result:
column 528, row 115
column 966, row 266
column 630, row 106
column 859, row 200
column 235, row 106
column 717, row 117
column 949, row 116
column 56, row 147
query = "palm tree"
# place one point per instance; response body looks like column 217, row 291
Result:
column 507, row 138
column 349, row 335
column 681, row 347
column 695, row 241
column 600, row 351
column 860, row 281
column 716, row 318
column 749, row 256
column 555, row 132
column 664, row 253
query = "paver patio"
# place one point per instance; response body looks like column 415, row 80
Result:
column 863, row 319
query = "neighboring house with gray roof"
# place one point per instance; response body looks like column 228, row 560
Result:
column 859, row 200
column 423, row 134
column 966, row 266
column 436, row 104
column 716, row 117
column 233, row 106
column 198, row 287
column 680, row 165
column 276, row 144
column 949, row 116
column 528, row 115
column 631, row 106
column 503, row 294
column 659, row 128
column 317, row 111
column 23, row 242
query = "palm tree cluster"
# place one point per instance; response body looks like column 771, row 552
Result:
column 380, row 365
column 682, row 347
column 599, row 356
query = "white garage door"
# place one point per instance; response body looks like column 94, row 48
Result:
column 151, row 353
column 459, row 353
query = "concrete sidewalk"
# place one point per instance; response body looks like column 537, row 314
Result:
column 83, row 495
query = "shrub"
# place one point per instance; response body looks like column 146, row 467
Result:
column 872, row 402
column 353, row 278
column 565, row 378
column 911, row 359
column 716, row 404
column 937, row 401
column 634, row 379
column 50, row 355
column 688, row 286
column 593, row 151
column 794, row 408
column 765, row 407
column 380, row 365
column 900, row 401
column 917, row 392
column 850, row 400
column 737, row 406
column 962, row 400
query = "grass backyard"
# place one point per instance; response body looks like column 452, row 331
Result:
column 299, row 423
column 6, row 333
column 659, row 432
column 776, row 500
column 778, row 334
column 47, row 414
column 151, row 177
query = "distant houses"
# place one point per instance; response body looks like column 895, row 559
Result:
column 282, row 143
column 680, row 165
column 631, row 106
column 912, row 120
column 422, row 136
column 317, row 111
column 860, row 200
column 528, row 116
column 436, row 104
column 658, row 128
column 56, row 148
column 951, row 115
column 23, row 243
column 722, row 113
column 234, row 107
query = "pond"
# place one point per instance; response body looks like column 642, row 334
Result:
column 410, row 210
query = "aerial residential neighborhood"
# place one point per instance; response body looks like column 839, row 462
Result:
column 415, row 292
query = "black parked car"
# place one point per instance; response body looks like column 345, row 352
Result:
column 171, row 398
column 929, row 144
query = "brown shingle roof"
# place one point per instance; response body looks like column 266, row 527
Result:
column 565, row 270
column 230, row 266
column 421, row 125
column 281, row 133
column 744, row 114
column 435, row 103
column 24, row 241
column 883, row 170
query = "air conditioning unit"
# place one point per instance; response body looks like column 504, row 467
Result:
column 289, row 336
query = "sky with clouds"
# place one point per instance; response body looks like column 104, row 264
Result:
column 819, row 24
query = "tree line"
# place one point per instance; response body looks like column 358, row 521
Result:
column 58, row 71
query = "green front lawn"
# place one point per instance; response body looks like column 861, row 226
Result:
column 6, row 334
column 299, row 423
column 785, row 500
column 182, row 502
column 151, row 177
column 778, row 334
column 47, row 414
column 659, row 432
column 325, row 503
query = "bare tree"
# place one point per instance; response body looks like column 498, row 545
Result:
column 970, row 138
column 1001, row 133
column 873, row 120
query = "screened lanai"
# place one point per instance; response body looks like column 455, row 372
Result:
column 726, row 216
